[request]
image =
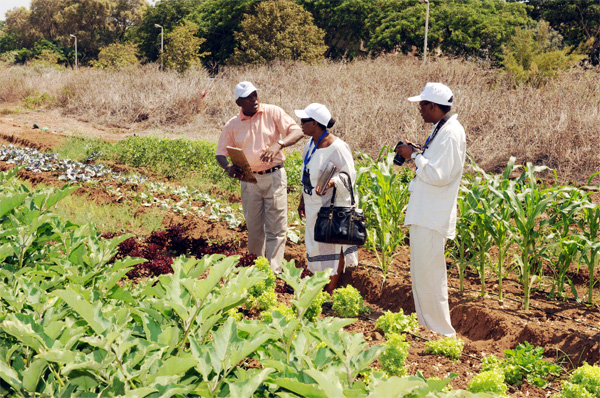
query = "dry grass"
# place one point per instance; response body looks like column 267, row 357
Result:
column 557, row 125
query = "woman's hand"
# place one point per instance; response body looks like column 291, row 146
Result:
column 330, row 184
column 301, row 208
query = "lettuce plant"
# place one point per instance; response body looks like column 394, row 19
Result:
column 347, row 302
column 391, row 322
column 491, row 381
column 393, row 358
column 450, row 347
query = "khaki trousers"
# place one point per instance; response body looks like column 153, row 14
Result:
column 429, row 279
column 265, row 210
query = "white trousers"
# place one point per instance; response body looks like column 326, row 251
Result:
column 265, row 210
column 429, row 279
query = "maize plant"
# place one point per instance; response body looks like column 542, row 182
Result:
column 528, row 203
column 383, row 198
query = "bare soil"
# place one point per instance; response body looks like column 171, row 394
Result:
column 568, row 331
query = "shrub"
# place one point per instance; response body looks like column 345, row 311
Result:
column 393, row 358
column 450, row 347
column 491, row 381
column 278, row 30
column 116, row 56
column 535, row 56
column 183, row 47
column 347, row 302
column 397, row 322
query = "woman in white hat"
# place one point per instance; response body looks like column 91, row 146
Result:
column 323, row 150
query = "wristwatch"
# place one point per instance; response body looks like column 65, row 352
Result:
column 414, row 155
column 280, row 142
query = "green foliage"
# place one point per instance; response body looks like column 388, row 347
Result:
column 393, row 358
column 450, row 347
column 347, row 302
column 344, row 23
column 491, row 381
column 116, row 56
column 36, row 100
column 182, row 47
column 525, row 361
column 293, row 168
column 286, row 311
column 587, row 376
column 570, row 390
column 267, row 285
column 457, row 27
column 397, row 323
column 534, row 57
column 46, row 58
column 278, row 30
column 577, row 21
column 316, row 307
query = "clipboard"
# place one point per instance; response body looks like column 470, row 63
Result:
column 239, row 159
column 326, row 176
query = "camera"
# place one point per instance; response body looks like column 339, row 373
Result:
column 399, row 159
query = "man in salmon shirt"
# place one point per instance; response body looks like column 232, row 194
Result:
column 261, row 131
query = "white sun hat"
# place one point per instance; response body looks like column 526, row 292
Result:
column 437, row 93
column 318, row 112
column 244, row 89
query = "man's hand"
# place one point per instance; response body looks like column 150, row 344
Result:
column 301, row 208
column 405, row 150
column 269, row 154
column 235, row 172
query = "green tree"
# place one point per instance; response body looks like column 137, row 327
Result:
column 116, row 56
column 182, row 47
column 344, row 23
column 96, row 23
column 475, row 28
column 278, row 30
column 536, row 55
column 578, row 21
column 166, row 13
column 218, row 20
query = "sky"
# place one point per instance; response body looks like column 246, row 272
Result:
column 6, row 5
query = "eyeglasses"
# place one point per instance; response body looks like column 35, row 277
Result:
column 306, row 120
column 424, row 103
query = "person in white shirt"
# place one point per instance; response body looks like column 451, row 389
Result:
column 431, row 212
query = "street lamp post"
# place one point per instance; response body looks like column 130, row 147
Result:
column 426, row 29
column 162, row 46
column 75, row 37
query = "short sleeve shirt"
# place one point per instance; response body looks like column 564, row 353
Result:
column 256, row 133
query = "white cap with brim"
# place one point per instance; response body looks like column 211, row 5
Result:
column 437, row 93
column 318, row 112
column 244, row 89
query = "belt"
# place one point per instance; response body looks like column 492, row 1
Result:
column 272, row 169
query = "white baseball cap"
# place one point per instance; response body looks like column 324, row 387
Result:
column 318, row 112
column 244, row 89
column 437, row 93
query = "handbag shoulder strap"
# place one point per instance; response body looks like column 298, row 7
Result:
column 348, row 185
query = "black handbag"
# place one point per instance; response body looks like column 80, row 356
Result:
column 341, row 224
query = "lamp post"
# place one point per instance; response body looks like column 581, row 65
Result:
column 162, row 46
column 75, row 37
column 426, row 29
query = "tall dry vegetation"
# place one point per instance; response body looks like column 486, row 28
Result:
column 557, row 125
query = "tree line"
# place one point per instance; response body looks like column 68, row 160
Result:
column 221, row 32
